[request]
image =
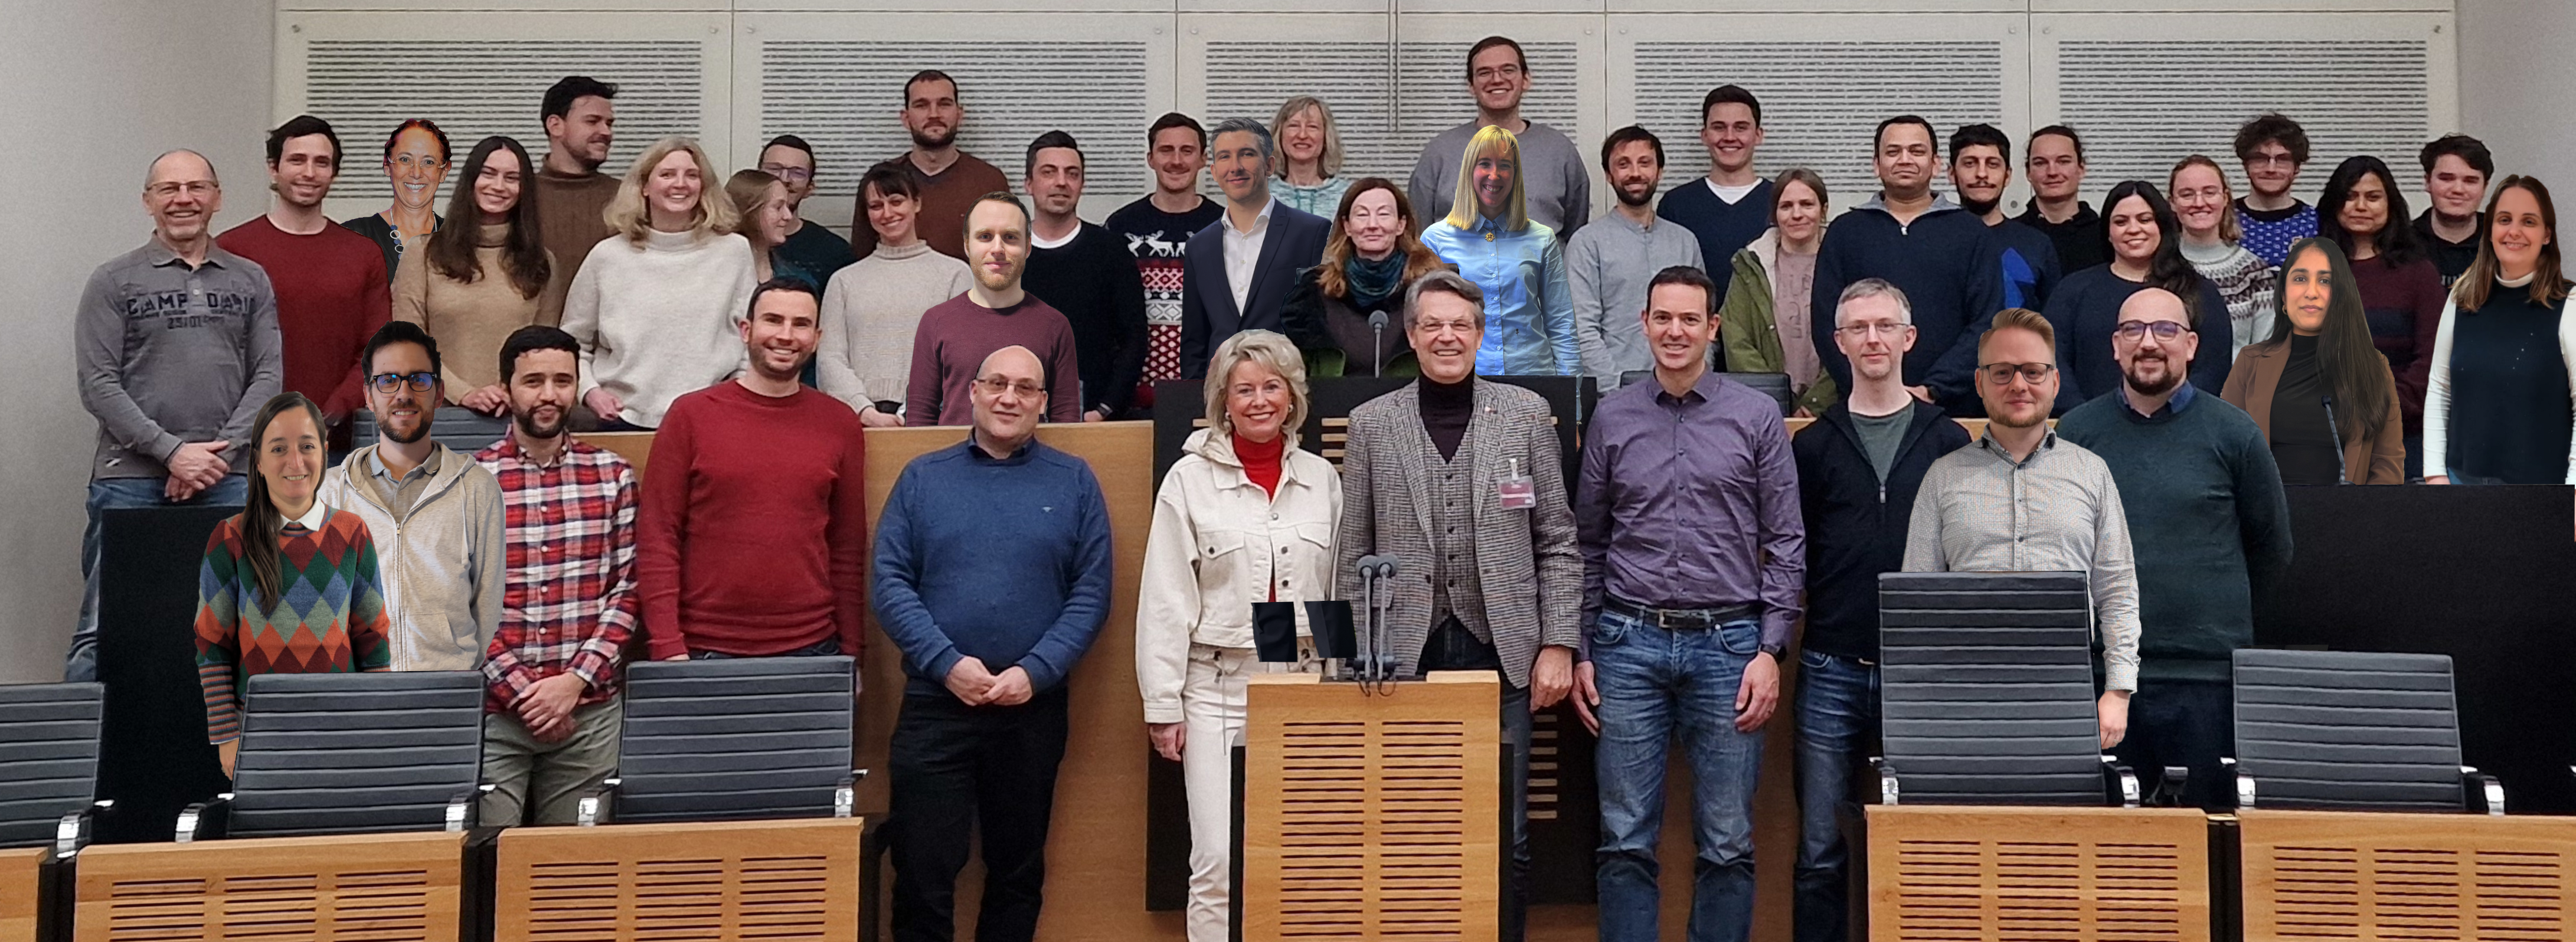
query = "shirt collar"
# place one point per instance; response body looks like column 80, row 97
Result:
column 1703, row 391
column 159, row 254
column 1630, row 224
column 312, row 519
column 1260, row 220
column 1992, row 447
column 508, row 449
column 1486, row 223
column 2182, row 398
column 428, row 466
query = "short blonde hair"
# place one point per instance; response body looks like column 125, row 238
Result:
column 1329, row 160
column 628, row 215
column 2019, row 318
column 1463, row 206
column 1271, row 351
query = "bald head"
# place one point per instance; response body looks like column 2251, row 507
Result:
column 1010, row 396
column 2154, row 304
column 2154, row 345
column 181, row 164
column 1014, row 361
column 182, row 196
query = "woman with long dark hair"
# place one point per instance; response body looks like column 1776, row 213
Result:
column 1368, row 259
column 2500, row 408
column 2363, row 212
column 476, row 284
column 287, row 585
column 2145, row 241
column 2323, row 396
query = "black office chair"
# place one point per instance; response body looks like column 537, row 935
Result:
column 351, row 754
column 2352, row 731
column 730, row 739
column 48, row 774
column 462, row 430
column 1774, row 385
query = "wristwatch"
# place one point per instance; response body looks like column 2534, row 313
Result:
column 1774, row 650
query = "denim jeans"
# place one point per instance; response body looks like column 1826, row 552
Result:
column 2478, row 479
column 824, row 648
column 1655, row 682
column 1452, row 647
column 1837, row 727
column 122, row 494
column 2187, row 723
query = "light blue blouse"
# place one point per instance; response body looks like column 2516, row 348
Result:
column 1529, row 311
column 1323, row 199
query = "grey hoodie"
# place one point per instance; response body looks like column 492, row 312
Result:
column 441, row 563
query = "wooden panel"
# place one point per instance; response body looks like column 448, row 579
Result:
column 18, row 891
column 2014, row 874
column 2333, row 875
column 382, row 888
column 1379, row 815
column 635, row 447
column 775, row 880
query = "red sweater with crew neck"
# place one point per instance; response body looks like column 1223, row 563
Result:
column 333, row 292
column 752, row 537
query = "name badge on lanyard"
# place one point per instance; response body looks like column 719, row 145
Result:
column 1515, row 490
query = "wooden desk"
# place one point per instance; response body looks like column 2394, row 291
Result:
column 18, row 896
column 374, row 886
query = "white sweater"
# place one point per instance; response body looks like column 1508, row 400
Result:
column 870, row 313
column 659, row 320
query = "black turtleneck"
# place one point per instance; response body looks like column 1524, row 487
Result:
column 1446, row 408
column 2303, row 445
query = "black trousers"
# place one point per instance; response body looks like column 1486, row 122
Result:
column 953, row 766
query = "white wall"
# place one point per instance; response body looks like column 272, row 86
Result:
column 91, row 91
column 2517, row 70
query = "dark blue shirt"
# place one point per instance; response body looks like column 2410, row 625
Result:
column 1723, row 228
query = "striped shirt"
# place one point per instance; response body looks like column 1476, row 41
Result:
column 569, row 602
column 1981, row 511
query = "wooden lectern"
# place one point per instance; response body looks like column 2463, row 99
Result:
column 1372, row 813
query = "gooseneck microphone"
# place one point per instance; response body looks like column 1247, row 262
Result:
column 2343, row 475
column 1377, row 662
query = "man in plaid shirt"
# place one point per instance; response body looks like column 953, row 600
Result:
column 552, row 715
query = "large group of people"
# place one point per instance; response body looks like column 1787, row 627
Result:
column 2151, row 375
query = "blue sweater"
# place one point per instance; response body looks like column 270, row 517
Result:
column 2030, row 265
column 1950, row 267
column 1723, row 228
column 1003, row 560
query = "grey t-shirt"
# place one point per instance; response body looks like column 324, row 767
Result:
column 1881, row 435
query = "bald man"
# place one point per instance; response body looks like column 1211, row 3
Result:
column 176, row 349
column 992, row 576
column 2211, row 525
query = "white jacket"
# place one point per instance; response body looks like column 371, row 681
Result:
column 1218, row 546
column 442, row 567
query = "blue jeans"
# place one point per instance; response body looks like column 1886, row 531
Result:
column 1655, row 682
column 2187, row 723
column 824, row 648
column 1837, row 726
column 2478, row 479
column 123, row 494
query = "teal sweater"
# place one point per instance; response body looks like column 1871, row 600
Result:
column 2208, row 516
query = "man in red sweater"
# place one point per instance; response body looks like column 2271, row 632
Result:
column 752, row 539
column 332, row 286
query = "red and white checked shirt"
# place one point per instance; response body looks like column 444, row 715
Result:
column 570, row 602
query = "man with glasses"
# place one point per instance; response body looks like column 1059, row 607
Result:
column 436, row 516
column 752, row 540
column 956, row 335
column 1555, row 182
column 2273, row 148
column 176, row 348
column 813, row 248
column 2197, row 479
column 2023, row 499
column 1860, row 466
column 992, row 578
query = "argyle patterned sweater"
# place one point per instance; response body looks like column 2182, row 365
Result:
column 329, row 618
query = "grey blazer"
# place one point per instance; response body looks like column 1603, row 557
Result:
column 1527, row 560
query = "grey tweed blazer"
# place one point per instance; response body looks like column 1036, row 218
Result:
column 1532, row 572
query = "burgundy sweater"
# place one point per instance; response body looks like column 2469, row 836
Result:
column 955, row 337
column 2405, row 309
column 752, row 537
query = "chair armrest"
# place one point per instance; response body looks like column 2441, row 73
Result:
column 598, row 805
column 73, row 832
column 2244, row 782
column 2482, row 792
column 2121, row 782
column 465, row 808
column 194, row 819
column 2170, row 787
column 845, row 797
column 1887, row 785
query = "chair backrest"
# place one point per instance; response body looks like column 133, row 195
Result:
column 734, row 738
column 48, row 757
column 2348, row 730
column 356, row 753
column 462, row 430
column 1986, row 687
column 1774, row 385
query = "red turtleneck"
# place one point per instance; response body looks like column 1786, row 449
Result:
column 1261, row 461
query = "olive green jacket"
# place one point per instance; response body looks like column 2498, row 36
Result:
column 1752, row 337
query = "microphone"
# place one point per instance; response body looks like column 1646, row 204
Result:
column 2343, row 475
column 1376, row 663
column 1377, row 343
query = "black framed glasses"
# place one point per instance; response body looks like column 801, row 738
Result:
column 2001, row 374
column 389, row 382
column 2164, row 330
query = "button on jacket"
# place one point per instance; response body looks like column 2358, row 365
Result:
column 1529, row 309
column 1218, row 546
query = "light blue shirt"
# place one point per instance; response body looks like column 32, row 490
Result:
column 1529, row 311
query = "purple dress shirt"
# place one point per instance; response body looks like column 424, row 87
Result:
column 1691, row 502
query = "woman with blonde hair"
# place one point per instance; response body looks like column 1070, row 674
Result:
column 2206, row 206
column 1244, row 517
column 1514, row 260
column 655, row 304
column 1369, row 258
column 767, row 217
column 1310, row 156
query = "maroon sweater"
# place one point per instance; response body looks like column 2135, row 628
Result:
column 752, row 537
column 958, row 334
column 332, row 294
column 2404, row 305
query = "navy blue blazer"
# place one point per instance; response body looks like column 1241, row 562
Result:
column 1294, row 243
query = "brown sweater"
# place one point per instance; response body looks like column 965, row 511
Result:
column 572, row 215
column 945, row 199
column 472, row 318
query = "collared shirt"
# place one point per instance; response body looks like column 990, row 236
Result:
column 312, row 519
column 569, row 539
column 1529, row 309
column 401, row 492
column 169, row 353
column 1243, row 250
column 2183, row 394
column 1608, row 266
column 1692, row 502
column 2057, row 511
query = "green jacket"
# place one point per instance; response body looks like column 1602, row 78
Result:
column 1752, row 337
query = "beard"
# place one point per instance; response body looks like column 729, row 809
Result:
column 419, row 430
column 1642, row 198
column 925, row 139
column 1978, row 207
column 527, row 423
column 2162, row 385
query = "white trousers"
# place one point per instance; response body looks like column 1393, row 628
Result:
column 1212, row 713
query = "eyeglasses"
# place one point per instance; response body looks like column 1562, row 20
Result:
column 788, row 174
column 1858, row 331
column 407, row 161
column 2131, row 331
column 2271, row 160
column 1508, row 71
column 2001, row 374
column 389, row 382
column 191, row 187
column 997, row 386
column 1453, row 327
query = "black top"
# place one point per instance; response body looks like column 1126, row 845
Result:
column 2302, row 443
column 2509, row 411
column 815, row 252
column 1094, row 283
column 2083, row 240
column 1446, row 407
column 375, row 227
column 1856, row 518
column 2451, row 258
column 1318, row 322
